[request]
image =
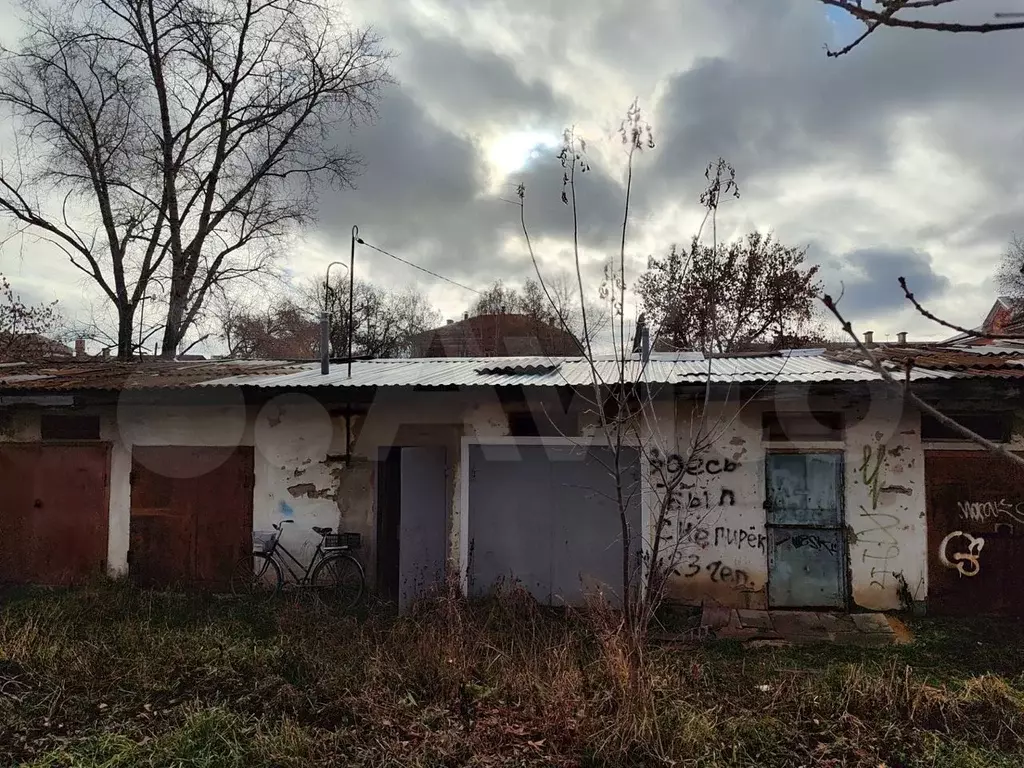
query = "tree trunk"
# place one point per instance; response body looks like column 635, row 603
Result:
column 125, row 331
column 175, row 315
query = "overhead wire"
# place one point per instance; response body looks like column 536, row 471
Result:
column 421, row 269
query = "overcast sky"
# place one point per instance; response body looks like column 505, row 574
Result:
column 902, row 157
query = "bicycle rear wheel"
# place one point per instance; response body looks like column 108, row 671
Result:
column 256, row 575
column 338, row 581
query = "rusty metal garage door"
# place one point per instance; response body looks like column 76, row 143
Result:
column 191, row 514
column 975, row 534
column 53, row 512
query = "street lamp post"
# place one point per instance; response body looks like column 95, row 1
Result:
column 351, row 291
column 325, row 318
column 325, row 323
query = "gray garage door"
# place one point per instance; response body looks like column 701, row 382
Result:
column 547, row 516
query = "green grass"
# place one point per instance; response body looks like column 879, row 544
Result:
column 108, row 676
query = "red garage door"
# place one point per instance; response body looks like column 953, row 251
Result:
column 191, row 514
column 975, row 533
column 53, row 512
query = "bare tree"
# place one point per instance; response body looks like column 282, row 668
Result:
column 499, row 298
column 621, row 400
column 558, row 306
column 755, row 293
column 173, row 143
column 282, row 331
column 1010, row 275
column 383, row 321
column 918, row 14
column 27, row 330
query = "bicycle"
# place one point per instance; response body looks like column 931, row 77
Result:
column 334, row 575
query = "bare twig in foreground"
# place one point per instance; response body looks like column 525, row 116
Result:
column 887, row 376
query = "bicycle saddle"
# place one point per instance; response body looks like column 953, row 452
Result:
column 322, row 531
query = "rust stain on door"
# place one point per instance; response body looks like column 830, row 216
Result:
column 975, row 534
column 53, row 512
column 191, row 514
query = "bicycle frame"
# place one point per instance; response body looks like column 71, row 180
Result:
column 304, row 578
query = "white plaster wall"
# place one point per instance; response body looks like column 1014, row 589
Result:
column 718, row 516
column 885, row 511
column 299, row 465
column 427, row 418
column 717, row 541
column 718, row 523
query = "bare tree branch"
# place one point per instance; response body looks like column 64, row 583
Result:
column 890, row 13
column 926, row 407
column 953, row 326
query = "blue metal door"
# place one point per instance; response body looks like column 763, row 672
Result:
column 806, row 546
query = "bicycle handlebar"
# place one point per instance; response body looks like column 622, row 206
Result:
column 277, row 526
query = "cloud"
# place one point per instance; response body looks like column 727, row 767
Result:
column 473, row 85
column 868, row 279
column 425, row 195
column 902, row 157
column 773, row 102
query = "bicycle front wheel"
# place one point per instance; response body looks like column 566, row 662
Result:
column 338, row 581
column 256, row 575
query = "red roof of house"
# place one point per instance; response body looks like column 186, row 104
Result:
column 495, row 336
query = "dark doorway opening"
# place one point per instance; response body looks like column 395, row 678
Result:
column 411, row 522
column 389, row 516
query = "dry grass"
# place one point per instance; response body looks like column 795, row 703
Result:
column 113, row 677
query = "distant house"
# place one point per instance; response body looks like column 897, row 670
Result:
column 1005, row 317
column 30, row 346
column 495, row 335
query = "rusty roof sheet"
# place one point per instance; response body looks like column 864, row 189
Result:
column 954, row 361
column 113, row 375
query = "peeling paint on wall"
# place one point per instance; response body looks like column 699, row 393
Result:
column 310, row 491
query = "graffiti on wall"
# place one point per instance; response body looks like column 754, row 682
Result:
column 810, row 541
column 684, row 477
column 984, row 511
column 717, row 571
column 880, row 545
column 961, row 551
column 722, row 536
column 878, row 533
column 872, row 463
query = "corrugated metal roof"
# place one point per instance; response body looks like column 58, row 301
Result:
column 446, row 372
column 542, row 371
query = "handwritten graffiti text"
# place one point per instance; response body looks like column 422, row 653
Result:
column 673, row 470
column 871, row 471
column 701, row 499
column 737, row 538
column 980, row 511
column 811, row 541
column 717, row 571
